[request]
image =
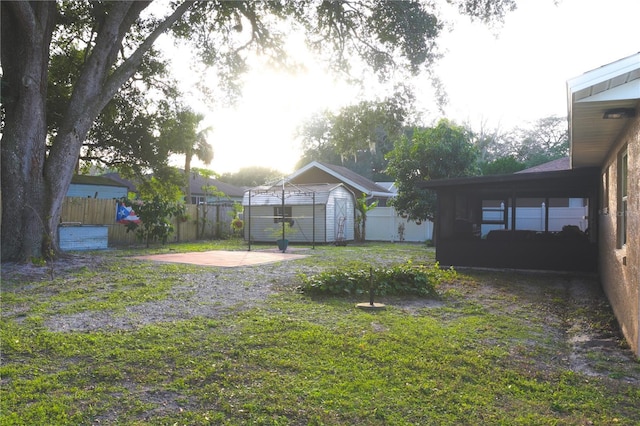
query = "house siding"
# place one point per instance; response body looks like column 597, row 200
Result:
column 96, row 191
column 620, row 266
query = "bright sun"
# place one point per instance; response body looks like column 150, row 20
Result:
column 261, row 130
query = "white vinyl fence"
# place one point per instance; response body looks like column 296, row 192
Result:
column 384, row 224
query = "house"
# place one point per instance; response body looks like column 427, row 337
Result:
column 204, row 190
column 317, row 172
column 383, row 222
column 316, row 213
column 95, row 187
column 480, row 221
column 212, row 191
column 604, row 129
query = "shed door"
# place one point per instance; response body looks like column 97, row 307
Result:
column 340, row 218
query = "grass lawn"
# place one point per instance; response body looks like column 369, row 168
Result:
column 495, row 348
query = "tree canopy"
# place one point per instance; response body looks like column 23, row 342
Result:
column 252, row 176
column 358, row 136
column 440, row 152
column 112, row 41
column 525, row 146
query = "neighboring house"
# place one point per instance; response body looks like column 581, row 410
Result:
column 478, row 221
column 232, row 194
column 203, row 191
column 95, row 187
column 318, row 213
column 317, row 172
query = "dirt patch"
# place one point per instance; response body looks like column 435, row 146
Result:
column 572, row 311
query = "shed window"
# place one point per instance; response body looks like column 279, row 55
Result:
column 623, row 164
column 278, row 214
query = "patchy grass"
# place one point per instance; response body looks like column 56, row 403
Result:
column 493, row 350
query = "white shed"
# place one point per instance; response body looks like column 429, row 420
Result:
column 320, row 213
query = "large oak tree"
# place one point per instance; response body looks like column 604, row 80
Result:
column 115, row 38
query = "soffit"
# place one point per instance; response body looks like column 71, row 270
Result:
column 616, row 85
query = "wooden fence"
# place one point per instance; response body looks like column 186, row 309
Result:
column 92, row 211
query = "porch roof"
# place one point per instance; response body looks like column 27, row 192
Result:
column 575, row 182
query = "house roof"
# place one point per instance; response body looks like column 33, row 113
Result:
column 389, row 186
column 115, row 177
column 350, row 178
column 563, row 163
column 195, row 184
column 95, row 180
column 197, row 181
column 590, row 95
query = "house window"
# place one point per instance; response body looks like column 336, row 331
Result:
column 198, row 199
column 278, row 214
column 623, row 164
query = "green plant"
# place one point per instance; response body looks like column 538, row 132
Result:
column 403, row 279
column 361, row 218
column 154, row 216
column 280, row 231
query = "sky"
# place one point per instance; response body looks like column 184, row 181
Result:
column 502, row 77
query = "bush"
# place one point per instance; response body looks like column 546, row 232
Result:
column 403, row 279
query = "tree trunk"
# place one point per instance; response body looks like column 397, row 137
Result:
column 34, row 182
column 187, row 175
column 27, row 230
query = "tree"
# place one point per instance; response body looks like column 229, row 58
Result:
column 115, row 39
column 502, row 165
column 516, row 149
column 547, row 140
column 182, row 135
column 358, row 136
column 125, row 135
column 251, row 176
column 441, row 152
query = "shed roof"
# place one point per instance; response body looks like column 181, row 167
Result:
column 294, row 194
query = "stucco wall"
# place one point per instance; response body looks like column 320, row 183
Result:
column 620, row 266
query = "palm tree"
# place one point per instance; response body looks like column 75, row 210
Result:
column 201, row 149
column 183, row 135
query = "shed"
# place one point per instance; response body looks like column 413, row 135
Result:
column 320, row 213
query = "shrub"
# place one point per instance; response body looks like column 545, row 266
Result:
column 403, row 279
